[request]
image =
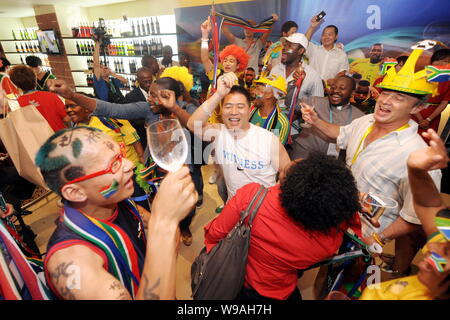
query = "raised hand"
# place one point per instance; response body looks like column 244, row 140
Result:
column 308, row 114
column 431, row 157
column 206, row 28
column 60, row 87
column 225, row 82
column 167, row 98
column 172, row 208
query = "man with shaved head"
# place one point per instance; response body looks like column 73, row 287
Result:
column 99, row 249
column 140, row 93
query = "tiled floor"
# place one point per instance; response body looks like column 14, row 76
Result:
column 45, row 213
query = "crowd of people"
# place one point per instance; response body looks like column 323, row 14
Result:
column 322, row 134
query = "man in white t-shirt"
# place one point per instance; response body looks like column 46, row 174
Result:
column 245, row 152
column 327, row 59
column 250, row 44
column 291, row 68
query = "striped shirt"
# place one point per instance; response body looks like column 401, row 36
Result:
column 381, row 168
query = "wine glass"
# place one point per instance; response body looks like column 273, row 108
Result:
column 306, row 109
column 167, row 143
column 374, row 206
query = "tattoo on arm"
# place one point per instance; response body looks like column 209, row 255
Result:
column 148, row 292
column 123, row 294
column 64, row 288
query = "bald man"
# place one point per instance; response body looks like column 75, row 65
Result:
column 99, row 249
column 140, row 93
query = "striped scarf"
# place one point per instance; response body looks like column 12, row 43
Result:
column 230, row 20
column 270, row 122
column 298, row 85
column 112, row 240
column 19, row 278
column 111, row 124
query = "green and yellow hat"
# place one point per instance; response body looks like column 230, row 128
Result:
column 277, row 82
column 407, row 80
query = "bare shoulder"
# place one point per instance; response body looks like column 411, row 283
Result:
column 77, row 273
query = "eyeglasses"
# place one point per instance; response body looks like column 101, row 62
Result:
column 113, row 167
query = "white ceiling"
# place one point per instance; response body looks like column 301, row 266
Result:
column 24, row 8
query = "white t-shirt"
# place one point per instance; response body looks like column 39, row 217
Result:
column 251, row 158
column 253, row 50
column 327, row 63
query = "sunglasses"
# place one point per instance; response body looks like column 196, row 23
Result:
column 113, row 167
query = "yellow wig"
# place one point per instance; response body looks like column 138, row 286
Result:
column 180, row 74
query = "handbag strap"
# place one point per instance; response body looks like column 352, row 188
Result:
column 251, row 209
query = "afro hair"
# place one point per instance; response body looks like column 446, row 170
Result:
column 320, row 193
column 180, row 74
column 241, row 56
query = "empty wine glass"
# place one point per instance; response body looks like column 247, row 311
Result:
column 167, row 144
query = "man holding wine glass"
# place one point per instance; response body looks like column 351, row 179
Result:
column 377, row 147
column 245, row 152
column 99, row 249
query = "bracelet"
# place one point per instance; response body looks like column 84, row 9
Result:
column 428, row 119
column 377, row 239
column 204, row 45
column 205, row 40
column 205, row 110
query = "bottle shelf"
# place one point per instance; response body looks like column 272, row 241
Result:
column 18, row 40
column 129, row 57
column 87, row 71
column 122, row 38
column 25, row 53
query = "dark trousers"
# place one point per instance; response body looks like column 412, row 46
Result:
column 251, row 294
column 14, row 187
column 197, row 178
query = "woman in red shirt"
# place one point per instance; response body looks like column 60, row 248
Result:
column 49, row 104
column 300, row 222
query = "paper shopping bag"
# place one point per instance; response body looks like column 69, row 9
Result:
column 22, row 132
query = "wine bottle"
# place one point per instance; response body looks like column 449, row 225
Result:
column 17, row 48
column 133, row 30
column 152, row 26
column 154, row 48
column 21, row 48
column 14, row 35
column 148, row 27
column 138, row 28
column 157, row 26
column 160, row 47
column 78, row 49
column 143, row 27
column 21, row 60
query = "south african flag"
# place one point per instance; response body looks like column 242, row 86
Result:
column 438, row 73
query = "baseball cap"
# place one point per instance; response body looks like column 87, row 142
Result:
column 299, row 38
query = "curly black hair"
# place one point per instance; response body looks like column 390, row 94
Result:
column 320, row 193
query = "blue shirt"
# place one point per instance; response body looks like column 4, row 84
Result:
column 101, row 88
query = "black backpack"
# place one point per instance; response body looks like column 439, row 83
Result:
column 219, row 274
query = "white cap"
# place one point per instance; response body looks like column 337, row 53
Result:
column 298, row 38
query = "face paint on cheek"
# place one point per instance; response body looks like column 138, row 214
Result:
column 108, row 191
column 437, row 261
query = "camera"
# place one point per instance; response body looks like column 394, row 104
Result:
column 101, row 34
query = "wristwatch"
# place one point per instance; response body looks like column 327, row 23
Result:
column 428, row 119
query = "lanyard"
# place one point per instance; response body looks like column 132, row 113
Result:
column 349, row 115
column 369, row 130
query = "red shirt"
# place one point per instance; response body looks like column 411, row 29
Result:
column 49, row 105
column 279, row 246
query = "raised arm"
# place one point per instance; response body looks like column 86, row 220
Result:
column 330, row 130
column 314, row 24
column 168, row 100
column 204, row 112
column 159, row 273
column 205, row 28
column 96, row 58
column 426, row 198
column 266, row 35
column 226, row 31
